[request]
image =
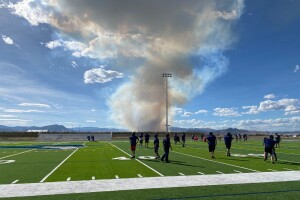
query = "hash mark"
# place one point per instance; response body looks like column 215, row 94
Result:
column 272, row 170
column 15, row 182
column 200, row 173
column 93, row 177
column 237, row 171
column 68, row 179
column 219, row 172
column 117, row 177
column 181, row 174
column 140, row 176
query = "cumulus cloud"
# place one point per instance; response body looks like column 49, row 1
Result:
column 226, row 112
column 39, row 105
column 201, row 112
column 160, row 36
column 296, row 68
column 7, row 40
column 100, row 75
column 269, row 96
column 187, row 114
column 289, row 106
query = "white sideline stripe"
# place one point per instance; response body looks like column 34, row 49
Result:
column 68, row 179
column 54, row 188
column 16, row 154
column 200, row 173
column 117, row 177
column 217, row 162
column 288, row 169
column 237, row 171
column 15, row 182
column 272, row 170
column 219, row 172
column 137, row 160
column 93, row 177
column 140, row 176
column 181, row 174
column 57, row 166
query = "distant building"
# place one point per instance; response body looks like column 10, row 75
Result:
column 38, row 131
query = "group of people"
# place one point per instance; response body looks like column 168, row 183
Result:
column 269, row 143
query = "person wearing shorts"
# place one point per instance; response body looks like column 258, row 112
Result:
column 228, row 140
column 269, row 148
column 133, row 141
column 212, row 143
column 156, row 146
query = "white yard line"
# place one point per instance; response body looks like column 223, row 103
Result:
column 15, row 182
column 17, row 154
column 201, row 173
column 54, row 188
column 69, row 178
column 181, row 174
column 237, row 171
column 219, row 172
column 93, row 177
column 137, row 160
column 140, row 176
column 272, row 170
column 217, row 162
column 58, row 166
column 288, row 169
column 117, row 177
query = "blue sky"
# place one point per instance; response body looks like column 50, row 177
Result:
column 99, row 63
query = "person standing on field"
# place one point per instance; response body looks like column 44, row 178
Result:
column 228, row 140
column 212, row 143
column 167, row 147
column 156, row 146
column 147, row 137
column 133, row 141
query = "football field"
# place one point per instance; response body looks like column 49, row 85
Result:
column 92, row 163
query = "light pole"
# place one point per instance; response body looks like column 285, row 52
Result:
column 167, row 75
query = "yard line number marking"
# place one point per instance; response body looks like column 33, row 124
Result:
column 137, row 160
column 57, row 166
column 217, row 162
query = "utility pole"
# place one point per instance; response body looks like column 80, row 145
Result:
column 166, row 76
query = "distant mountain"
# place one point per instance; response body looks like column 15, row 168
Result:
column 61, row 128
column 96, row 129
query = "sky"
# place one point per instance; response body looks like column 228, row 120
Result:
column 99, row 63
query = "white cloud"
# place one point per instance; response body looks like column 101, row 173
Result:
column 22, row 111
column 201, row 112
column 292, row 123
column 252, row 110
column 7, row 40
column 297, row 67
column 269, row 96
column 99, row 75
column 93, row 110
column 289, row 106
column 91, row 121
column 53, row 44
column 39, row 105
column 7, row 116
column 187, row 114
column 226, row 112
column 74, row 64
